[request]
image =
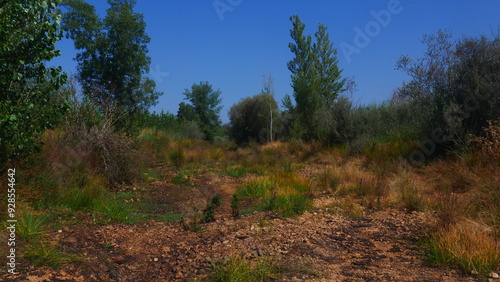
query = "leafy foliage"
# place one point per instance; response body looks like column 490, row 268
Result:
column 456, row 83
column 205, row 108
column 113, row 59
column 29, row 101
column 316, row 78
column 250, row 118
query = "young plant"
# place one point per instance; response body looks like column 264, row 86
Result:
column 235, row 206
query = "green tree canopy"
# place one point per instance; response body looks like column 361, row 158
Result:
column 206, row 104
column 113, row 61
column 456, row 82
column 250, row 118
column 28, row 89
column 316, row 78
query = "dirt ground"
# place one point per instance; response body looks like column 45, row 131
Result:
column 319, row 245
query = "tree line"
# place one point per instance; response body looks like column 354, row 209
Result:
column 454, row 87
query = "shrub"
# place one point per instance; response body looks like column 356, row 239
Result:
column 177, row 156
column 209, row 211
column 235, row 206
column 490, row 143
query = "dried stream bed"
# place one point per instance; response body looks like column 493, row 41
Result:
column 385, row 245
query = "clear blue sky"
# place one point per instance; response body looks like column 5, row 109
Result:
column 191, row 41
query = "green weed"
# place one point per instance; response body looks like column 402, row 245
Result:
column 236, row 171
column 116, row 211
column 237, row 268
column 181, row 178
column 44, row 254
column 30, row 226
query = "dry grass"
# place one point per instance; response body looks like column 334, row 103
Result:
column 467, row 244
column 410, row 191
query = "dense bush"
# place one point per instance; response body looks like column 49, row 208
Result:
column 250, row 119
column 456, row 83
column 28, row 104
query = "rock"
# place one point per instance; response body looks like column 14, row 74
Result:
column 494, row 275
column 155, row 259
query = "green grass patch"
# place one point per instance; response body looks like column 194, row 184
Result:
column 151, row 175
column 237, row 268
column 181, row 178
column 30, row 226
column 237, row 171
column 283, row 192
column 43, row 254
column 114, row 210
column 174, row 217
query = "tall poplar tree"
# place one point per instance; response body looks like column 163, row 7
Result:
column 316, row 78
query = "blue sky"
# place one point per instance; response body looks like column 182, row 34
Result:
column 234, row 45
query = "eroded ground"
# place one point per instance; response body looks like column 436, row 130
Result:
column 385, row 245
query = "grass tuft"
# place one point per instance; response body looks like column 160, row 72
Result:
column 284, row 192
column 237, row 268
column 468, row 245
column 30, row 226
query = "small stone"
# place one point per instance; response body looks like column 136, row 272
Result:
column 60, row 231
column 155, row 259
column 494, row 275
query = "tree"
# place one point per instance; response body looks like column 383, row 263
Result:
column 250, row 118
column 29, row 101
column 113, row 61
column 272, row 106
column 456, row 83
column 304, row 77
column 206, row 104
column 330, row 82
column 316, row 78
column 186, row 112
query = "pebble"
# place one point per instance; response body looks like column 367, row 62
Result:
column 494, row 275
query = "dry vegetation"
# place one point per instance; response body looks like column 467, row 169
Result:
column 456, row 201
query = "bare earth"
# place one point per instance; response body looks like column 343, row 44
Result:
column 317, row 246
